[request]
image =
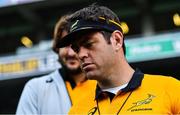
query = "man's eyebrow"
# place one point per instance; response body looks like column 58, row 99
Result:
column 85, row 39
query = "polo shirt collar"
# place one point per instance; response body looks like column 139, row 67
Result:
column 134, row 83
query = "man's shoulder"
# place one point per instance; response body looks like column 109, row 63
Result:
column 43, row 79
column 85, row 104
column 160, row 80
column 159, row 77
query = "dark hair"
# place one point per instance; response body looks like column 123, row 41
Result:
column 61, row 26
column 106, row 35
column 93, row 12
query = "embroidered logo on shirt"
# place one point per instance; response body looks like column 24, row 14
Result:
column 142, row 102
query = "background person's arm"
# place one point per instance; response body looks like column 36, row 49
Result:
column 28, row 100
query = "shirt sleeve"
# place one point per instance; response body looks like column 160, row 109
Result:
column 174, row 95
column 28, row 101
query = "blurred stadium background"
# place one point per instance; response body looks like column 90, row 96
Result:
column 151, row 29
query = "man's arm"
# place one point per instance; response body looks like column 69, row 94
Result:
column 28, row 100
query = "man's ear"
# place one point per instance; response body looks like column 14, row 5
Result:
column 117, row 40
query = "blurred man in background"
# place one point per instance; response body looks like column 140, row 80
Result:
column 56, row 92
column 96, row 36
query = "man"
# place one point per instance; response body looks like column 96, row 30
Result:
column 96, row 36
column 56, row 92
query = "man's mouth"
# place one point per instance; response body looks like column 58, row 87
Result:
column 71, row 58
column 87, row 66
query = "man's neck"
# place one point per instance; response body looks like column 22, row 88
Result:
column 78, row 78
column 121, row 75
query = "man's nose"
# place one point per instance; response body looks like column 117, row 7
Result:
column 70, row 51
column 83, row 53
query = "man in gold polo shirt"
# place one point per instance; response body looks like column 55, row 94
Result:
column 96, row 36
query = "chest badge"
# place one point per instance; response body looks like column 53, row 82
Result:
column 142, row 102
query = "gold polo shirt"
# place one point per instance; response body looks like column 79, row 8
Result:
column 77, row 91
column 144, row 94
column 80, row 90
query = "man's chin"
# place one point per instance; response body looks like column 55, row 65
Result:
column 89, row 76
column 74, row 70
column 92, row 75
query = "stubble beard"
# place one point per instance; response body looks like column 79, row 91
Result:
column 73, row 71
